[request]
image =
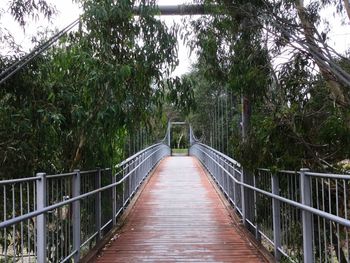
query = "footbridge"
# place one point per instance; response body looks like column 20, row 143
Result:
column 153, row 207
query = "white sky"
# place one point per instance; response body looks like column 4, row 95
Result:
column 339, row 36
column 69, row 11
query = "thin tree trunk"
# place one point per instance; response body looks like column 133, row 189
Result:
column 246, row 115
column 347, row 7
column 179, row 141
column 335, row 87
column 78, row 152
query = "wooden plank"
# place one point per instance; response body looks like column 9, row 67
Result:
column 179, row 217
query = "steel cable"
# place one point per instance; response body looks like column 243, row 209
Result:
column 11, row 70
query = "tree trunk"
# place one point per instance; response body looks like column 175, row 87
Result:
column 347, row 7
column 179, row 141
column 336, row 89
column 77, row 155
column 246, row 115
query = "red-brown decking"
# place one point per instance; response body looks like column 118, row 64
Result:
column 179, row 217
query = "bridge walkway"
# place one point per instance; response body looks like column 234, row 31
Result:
column 179, row 217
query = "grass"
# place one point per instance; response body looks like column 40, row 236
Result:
column 180, row 151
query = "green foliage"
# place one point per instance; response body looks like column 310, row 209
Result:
column 75, row 106
column 298, row 125
column 23, row 10
column 294, row 121
column 180, row 94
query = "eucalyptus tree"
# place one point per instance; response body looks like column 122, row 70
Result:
column 238, row 46
column 233, row 52
column 295, row 24
column 123, row 59
column 75, row 104
column 215, row 107
column 24, row 11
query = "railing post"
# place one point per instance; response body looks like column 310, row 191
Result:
column 191, row 136
column 114, row 200
column 243, row 198
column 306, row 199
column 41, row 219
column 256, row 215
column 76, row 215
column 98, row 209
column 276, row 216
column 235, row 188
column 125, row 172
column 168, row 135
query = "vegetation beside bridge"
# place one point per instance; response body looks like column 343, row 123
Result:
column 105, row 90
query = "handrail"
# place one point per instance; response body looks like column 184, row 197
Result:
column 136, row 168
column 326, row 215
column 20, row 180
column 136, row 154
column 220, row 154
column 245, row 190
column 333, row 176
column 18, row 219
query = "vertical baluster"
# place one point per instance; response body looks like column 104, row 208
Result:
column 318, row 221
column 257, row 230
column 98, row 205
column 28, row 222
column 66, row 187
column 347, row 241
column 312, row 216
column 337, row 212
column 331, row 247
column 53, row 220
column 276, row 215
column 5, row 217
column 61, row 195
column 324, row 223
column 21, row 213
column 14, row 225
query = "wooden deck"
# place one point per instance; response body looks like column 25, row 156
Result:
column 179, row 217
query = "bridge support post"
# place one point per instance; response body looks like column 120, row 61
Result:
column 306, row 199
column 98, row 204
column 41, row 219
column 276, row 216
column 76, row 216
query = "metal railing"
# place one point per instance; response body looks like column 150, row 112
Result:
column 300, row 216
column 59, row 218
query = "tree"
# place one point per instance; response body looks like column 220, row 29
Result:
column 237, row 46
column 75, row 105
column 23, row 10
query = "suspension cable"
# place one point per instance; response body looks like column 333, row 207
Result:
column 11, row 70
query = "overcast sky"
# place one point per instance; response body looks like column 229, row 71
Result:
column 339, row 36
column 69, row 11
